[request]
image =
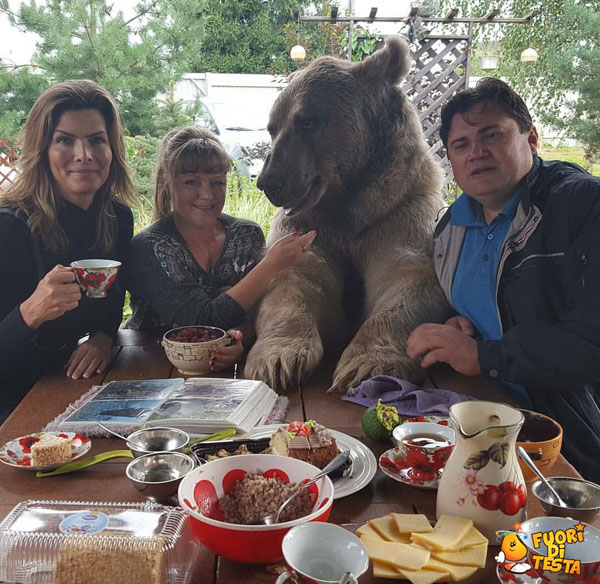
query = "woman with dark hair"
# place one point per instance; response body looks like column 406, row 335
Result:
column 196, row 265
column 67, row 203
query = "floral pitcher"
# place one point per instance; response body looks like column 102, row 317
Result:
column 482, row 479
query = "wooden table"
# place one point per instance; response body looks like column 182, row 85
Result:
column 139, row 356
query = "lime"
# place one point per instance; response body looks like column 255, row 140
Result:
column 378, row 421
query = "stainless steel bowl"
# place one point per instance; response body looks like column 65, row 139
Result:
column 581, row 496
column 157, row 476
column 158, row 440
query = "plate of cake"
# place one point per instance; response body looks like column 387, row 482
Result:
column 44, row 450
column 308, row 441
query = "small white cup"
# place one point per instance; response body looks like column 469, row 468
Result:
column 323, row 553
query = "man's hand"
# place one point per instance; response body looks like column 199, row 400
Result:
column 91, row 357
column 56, row 293
column 226, row 356
column 444, row 343
column 462, row 323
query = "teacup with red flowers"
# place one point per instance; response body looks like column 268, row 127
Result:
column 96, row 276
column 426, row 446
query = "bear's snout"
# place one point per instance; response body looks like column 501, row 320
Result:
column 272, row 185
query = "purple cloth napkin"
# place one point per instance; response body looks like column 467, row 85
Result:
column 406, row 397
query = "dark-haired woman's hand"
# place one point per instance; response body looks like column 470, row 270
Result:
column 225, row 357
column 56, row 293
column 91, row 357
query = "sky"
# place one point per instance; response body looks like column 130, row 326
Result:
column 17, row 46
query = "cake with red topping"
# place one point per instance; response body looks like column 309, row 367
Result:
column 306, row 441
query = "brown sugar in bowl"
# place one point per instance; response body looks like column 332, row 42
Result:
column 541, row 437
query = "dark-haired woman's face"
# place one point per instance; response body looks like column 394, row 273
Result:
column 79, row 155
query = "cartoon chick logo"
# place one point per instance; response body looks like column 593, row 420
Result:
column 512, row 553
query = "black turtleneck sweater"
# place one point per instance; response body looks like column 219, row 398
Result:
column 26, row 354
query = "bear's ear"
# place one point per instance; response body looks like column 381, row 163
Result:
column 391, row 63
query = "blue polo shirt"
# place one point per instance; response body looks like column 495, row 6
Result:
column 474, row 286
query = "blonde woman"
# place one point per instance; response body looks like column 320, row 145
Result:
column 195, row 264
column 67, row 203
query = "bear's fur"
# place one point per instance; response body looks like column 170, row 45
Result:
column 349, row 159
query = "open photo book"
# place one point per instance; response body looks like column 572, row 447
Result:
column 196, row 405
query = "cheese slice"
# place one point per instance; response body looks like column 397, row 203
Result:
column 399, row 555
column 457, row 573
column 446, row 534
column 367, row 529
column 424, row 576
column 473, row 556
column 406, row 523
column 472, row 538
column 381, row 570
column 386, row 527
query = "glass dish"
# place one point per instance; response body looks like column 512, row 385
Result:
column 69, row 542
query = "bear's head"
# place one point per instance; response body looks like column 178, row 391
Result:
column 337, row 126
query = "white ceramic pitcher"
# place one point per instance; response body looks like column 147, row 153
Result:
column 482, row 480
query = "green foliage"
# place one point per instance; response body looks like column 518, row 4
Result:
column 245, row 200
column 246, row 36
column 134, row 59
column 566, row 35
column 19, row 88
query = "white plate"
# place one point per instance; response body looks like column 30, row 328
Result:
column 17, row 453
column 364, row 463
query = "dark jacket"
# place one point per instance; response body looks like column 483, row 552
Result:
column 26, row 354
column 548, row 297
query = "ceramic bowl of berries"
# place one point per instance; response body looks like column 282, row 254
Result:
column 189, row 348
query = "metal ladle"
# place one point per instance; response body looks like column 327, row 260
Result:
column 136, row 444
column 523, row 454
column 334, row 465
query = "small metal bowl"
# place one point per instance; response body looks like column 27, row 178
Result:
column 157, row 476
column 581, row 496
column 158, row 440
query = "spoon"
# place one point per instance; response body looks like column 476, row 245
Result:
column 334, row 465
column 136, row 444
column 523, row 454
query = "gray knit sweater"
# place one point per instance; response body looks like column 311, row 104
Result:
column 169, row 288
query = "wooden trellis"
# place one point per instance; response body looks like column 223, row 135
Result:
column 442, row 63
column 8, row 157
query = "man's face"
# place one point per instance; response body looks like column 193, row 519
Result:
column 489, row 154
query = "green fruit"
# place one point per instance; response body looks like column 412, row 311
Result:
column 378, row 421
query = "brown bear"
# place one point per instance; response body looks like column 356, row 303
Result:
column 349, row 159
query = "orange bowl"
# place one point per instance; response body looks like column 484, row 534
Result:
column 201, row 489
column 541, row 437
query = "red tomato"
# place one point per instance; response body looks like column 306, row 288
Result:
column 509, row 502
column 490, row 498
column 507, row 486
column 522, row 492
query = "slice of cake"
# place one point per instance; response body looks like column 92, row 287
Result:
column 306, row 441
column 50, row 450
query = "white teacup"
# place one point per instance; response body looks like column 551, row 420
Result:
column 323, row 553
column 96, row 276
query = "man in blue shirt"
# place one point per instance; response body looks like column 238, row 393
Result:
column 518, row 256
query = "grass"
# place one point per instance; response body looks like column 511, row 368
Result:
column 570, row 154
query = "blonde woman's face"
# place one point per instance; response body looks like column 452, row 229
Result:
column 79, row 155
column 198, row 198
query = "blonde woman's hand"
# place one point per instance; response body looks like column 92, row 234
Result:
column 288, row 250
column 56, row 293
column 91, row 357
column 225, row 357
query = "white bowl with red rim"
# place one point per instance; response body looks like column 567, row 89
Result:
column 201, row 489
